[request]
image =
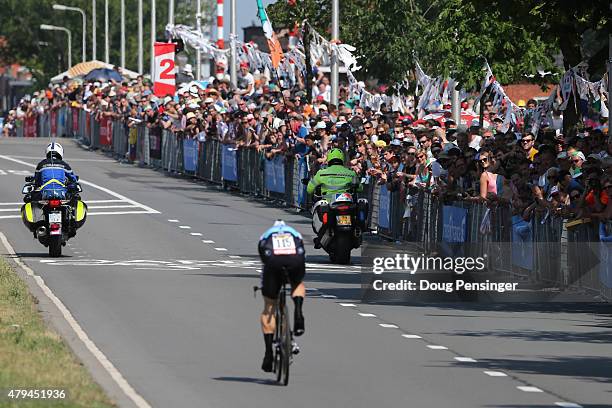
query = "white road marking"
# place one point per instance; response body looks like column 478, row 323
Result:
column 138, row 400
column 329, row 296
column 117, row 212
column 196, row 234
column 9, row 209
column 411, row 336
column 367, row 315
column 75, row 160
column 565, row 404
column 208, row 241
column 148, row 209
column 184, row 227
column 434, row 347
column 221, row 249
column 465, row 359
column 529, row 389
column 173, row 220
column 347, row 304
column 47, row 261
column 233, row 256
column 388, row 326
column 11, row 203
column 4, row 217
column 495, row 374
column 97, row 207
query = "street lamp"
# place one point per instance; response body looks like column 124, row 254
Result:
column 67, row 31
column 68, row 8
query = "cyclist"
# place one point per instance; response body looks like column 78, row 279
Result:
column 281, row 248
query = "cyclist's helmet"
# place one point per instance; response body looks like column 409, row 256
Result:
column 55, row 151
column 335, row 156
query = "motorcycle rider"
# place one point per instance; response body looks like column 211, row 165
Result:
column 281, row 247
column 334, row 179
column 54, row 176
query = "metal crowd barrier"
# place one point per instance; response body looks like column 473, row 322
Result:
column 543, row 249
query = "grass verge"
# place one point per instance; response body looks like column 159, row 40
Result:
column 32, row 356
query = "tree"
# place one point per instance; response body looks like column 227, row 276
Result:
column 450, row 37
column 20, row 21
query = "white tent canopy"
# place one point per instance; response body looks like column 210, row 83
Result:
column 84, row 68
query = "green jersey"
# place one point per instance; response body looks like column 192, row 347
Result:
column 333, row 180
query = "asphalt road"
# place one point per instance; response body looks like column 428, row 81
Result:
column 161, row 280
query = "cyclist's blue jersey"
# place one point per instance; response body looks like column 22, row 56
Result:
column 280, row 229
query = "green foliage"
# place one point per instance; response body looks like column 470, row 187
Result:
column 20, row 21
column 454, row 37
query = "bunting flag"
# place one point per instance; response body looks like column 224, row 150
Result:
column 276, row 50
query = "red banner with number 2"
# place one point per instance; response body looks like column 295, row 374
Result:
column 165, row 80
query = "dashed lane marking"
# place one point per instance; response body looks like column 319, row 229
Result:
column 367, row 315
column 347, row 304
column 495, row 373
column 173, row 220
column 411, row 336
column 565, row 404
column 208, row 241
column 388, row 326
column 196, row 234
column 434, row 347
column 221, row 249
column 526, row 388
column 184, row 227
column 465, row 359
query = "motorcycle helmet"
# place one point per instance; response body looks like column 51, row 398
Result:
column 56, row 150
column 335, row 156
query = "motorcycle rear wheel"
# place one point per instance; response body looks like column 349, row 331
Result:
column 55, row 246
column 343, row 243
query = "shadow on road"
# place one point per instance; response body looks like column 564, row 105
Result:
column 259, row 381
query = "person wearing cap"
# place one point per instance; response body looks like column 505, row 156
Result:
column 577, row 158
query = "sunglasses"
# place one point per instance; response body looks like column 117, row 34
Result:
column 420, row 156
column 576, row 160
column 484, row 160
column 410, row 154
column 368, row 127
column 526, row 140
column 423, row 141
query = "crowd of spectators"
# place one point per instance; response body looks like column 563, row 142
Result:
column 546, row 171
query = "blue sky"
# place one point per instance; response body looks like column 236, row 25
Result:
column 246, row 13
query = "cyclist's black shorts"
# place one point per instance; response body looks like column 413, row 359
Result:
column 272, row 276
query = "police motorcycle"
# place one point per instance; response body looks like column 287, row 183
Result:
column 339, row 220
column 53, row 215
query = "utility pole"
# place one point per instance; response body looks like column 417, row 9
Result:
column 456, row 104
column 122, row 34
column 199, row 29
column 140, row 34
column 233, row 73
column 334, row 56
column 106, row 42
column 171, row 12
column 93, row 29
column 153, row 34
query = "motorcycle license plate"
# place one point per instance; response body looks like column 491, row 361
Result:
column 343, row 220
column 283, row 244
column 55, row 218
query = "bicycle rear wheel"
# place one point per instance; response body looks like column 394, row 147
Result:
column 287, row 351
column 278, row 366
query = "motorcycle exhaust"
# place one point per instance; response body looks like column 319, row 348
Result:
column 41, row 231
